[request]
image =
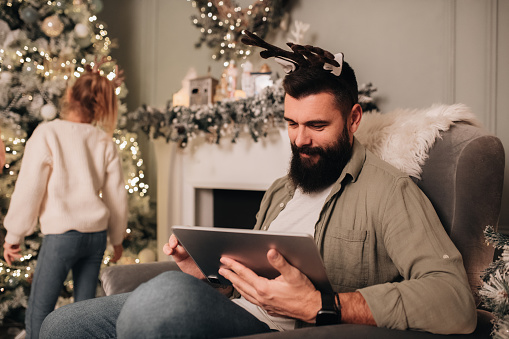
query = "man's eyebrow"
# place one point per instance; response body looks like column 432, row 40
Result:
column 310, row 122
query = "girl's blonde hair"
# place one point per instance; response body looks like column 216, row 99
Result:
column 93, row 97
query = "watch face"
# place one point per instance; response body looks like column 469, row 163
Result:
column 326, row 317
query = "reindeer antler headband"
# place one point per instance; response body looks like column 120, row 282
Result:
column 119, row 74
column 300, row 56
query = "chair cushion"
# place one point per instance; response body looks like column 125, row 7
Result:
column 125, row 278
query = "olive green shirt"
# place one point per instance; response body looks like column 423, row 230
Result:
column 379, row 234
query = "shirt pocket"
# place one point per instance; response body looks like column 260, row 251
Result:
column 346, row 259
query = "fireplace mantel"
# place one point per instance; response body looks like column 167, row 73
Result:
column 244, row 165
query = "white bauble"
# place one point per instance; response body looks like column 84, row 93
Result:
column 48, row 112
column 5, row 77
column 146, row 255
column 81, row 30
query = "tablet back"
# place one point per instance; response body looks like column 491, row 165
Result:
column 206, row 245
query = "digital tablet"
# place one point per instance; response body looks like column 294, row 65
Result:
column 206, row 245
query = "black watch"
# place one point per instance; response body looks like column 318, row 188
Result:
column 330, row 313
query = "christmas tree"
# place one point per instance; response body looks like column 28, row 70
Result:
column 494, row 291
column 45, row 44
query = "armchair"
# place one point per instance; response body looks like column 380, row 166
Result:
column 462, row 176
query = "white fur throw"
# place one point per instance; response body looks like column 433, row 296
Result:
column 403, row 137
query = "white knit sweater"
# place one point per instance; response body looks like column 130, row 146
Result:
column 66, row 166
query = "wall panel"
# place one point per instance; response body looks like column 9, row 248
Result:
column 416, row 52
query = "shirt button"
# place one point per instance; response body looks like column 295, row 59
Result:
column 282, row 205
column 445, row 256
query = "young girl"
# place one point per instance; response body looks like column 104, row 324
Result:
column 71, row 179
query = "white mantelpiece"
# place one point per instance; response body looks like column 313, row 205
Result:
column 181, row 173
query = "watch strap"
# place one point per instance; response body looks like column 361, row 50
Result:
column 330, row 313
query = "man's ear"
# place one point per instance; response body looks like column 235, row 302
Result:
column 355, row 118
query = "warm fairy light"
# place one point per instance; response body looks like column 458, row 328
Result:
column 225, row 17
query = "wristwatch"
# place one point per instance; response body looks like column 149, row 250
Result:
column 330, row 313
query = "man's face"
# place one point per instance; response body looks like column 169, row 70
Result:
column 320, row 138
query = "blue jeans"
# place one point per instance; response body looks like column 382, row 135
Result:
column 172, row 305
column 80, row 252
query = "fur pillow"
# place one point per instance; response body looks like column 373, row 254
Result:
column 403, row 137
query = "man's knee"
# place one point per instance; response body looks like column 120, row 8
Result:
column 85, row 319
column 161, row 304
column 57, row 325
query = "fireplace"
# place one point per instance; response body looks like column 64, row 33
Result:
column 227, row 208
column 188, row 179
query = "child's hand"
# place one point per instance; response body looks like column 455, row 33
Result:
column 117, row 253
column 11, row 252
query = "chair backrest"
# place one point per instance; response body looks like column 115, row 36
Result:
column 463, row 177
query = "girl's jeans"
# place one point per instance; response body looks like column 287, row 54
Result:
column 80, row 252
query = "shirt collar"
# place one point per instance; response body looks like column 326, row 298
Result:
column 354, row 165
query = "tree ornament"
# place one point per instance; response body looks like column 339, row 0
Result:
column 52, row 26
column 48, row 111
column 59, row 4
column 5, row 77
column 28, row 14
column 146, row 255
column 96, row 6
column 82, row 31
column 29, row 67
column 83, row 42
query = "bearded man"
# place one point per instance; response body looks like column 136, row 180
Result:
column 390, row 262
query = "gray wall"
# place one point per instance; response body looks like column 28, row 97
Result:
column 417, row 52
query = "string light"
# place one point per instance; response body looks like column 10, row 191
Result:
column 135, row 183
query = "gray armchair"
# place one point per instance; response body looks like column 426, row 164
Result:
column 463, row 178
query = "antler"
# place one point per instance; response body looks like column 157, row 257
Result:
column 271, row 50
column 315, row 55
column 302, row 56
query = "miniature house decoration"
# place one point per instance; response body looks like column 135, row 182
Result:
column 201, row 90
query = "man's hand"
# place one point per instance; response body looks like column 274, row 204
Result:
column 11, row 252
column 182, row 258
column 290, row 295
column 117, row 253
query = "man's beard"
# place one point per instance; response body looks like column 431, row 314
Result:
column 313, row 177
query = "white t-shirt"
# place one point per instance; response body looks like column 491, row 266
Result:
column 299, row 216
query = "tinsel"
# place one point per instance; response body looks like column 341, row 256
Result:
column 494, row 291
column 221, row 23
column 256, row 115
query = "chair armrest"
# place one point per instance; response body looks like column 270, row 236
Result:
column 349, row 331
column 125, row 278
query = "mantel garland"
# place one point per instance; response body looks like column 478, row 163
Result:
column 256, row 115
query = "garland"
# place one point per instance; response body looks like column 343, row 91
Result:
column 256, row 115
column 181, row 124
